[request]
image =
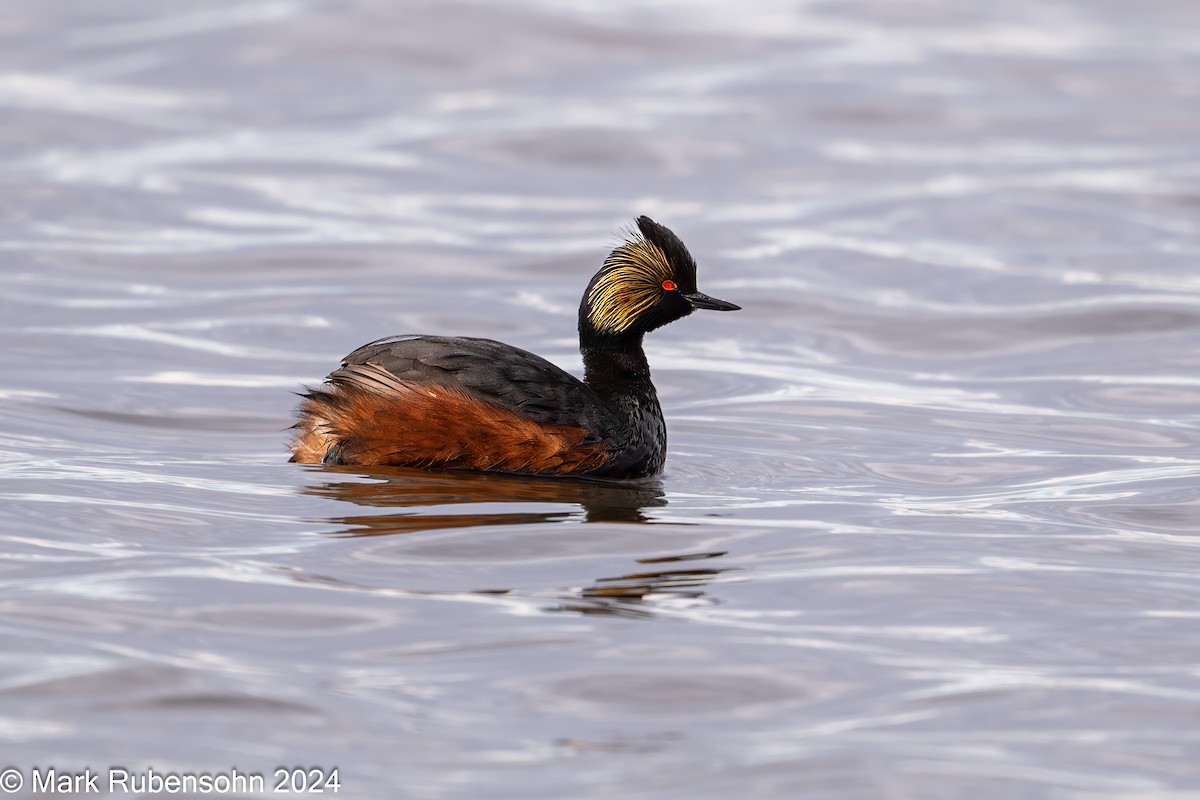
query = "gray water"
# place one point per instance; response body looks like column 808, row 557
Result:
column 929, row 525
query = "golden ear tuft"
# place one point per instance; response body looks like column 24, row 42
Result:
column 629, row 284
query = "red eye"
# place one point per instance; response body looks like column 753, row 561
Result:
column 669, row 285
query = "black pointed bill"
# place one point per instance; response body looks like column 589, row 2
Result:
column 701, row 300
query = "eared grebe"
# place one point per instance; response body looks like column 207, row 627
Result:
column 464, row 403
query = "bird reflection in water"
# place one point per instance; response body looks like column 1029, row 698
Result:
column 418, row 491
column 635, row 594
column 412, row 501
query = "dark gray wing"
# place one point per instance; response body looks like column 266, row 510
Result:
column 493, row 371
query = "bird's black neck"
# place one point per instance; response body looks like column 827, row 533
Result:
column 616, row 366
column 630, row 417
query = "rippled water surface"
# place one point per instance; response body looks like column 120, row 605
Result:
column 931, row 516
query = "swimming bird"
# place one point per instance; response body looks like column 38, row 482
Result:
column 441, row 402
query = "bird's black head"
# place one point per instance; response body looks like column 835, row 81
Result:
column 645, row 283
